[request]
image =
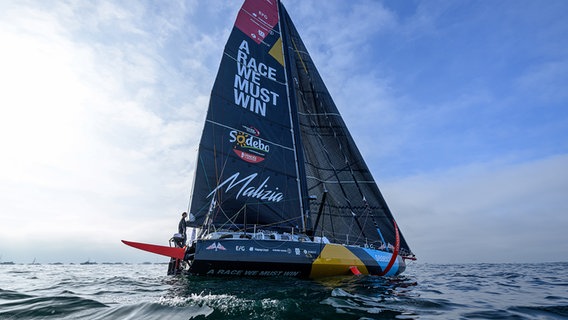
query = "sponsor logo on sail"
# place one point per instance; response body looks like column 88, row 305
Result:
column 248, row 146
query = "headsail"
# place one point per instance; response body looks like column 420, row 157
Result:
column 354, row 211
column 247, row 164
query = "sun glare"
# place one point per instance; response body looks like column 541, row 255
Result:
column 41, row 105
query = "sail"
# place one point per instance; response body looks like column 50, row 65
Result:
column 275, row 152
column 247, row 167
column 353, row 210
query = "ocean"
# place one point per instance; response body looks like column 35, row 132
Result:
column 425, row 291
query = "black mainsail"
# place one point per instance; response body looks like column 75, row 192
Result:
column 247, row 171
column 280, row 188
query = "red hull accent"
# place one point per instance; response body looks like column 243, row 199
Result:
column 396, row 248
column 173, row 252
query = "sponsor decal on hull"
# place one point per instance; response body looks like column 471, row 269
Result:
column 216, row 246
column 254, row 273
column 290, row 259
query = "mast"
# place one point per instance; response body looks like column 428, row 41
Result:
column 294, row 121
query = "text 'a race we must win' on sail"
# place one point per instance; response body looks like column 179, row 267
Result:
column 249, row 93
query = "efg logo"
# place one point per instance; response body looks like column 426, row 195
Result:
column 248, row 146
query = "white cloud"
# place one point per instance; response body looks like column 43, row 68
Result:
column 493, row 212
column 88, row 155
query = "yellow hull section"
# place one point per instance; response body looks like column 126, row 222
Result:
column 336, row 260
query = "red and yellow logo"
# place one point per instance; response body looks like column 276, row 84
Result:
column 248, row 145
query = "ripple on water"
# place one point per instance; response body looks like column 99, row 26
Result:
column 488, row 291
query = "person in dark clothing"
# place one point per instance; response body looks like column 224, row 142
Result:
column 182, row 226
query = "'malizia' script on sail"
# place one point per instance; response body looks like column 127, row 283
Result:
column 249, row 94
column 260, row 192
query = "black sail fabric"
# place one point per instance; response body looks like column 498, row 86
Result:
column 354, row 210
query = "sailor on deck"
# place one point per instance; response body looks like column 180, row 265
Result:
column 182, row 226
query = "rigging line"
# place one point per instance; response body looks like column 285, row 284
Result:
column 303, row 51
column 348, row 165
column 321, row 140
column 218, row 177
column 325, row 169
column 326, row 152
column 355, row 217
column 278, row 222
column 332, row 174
column 298, row 52
column 231, row 219
column 331, row 224
column 357, row 183
column 202, row 163
column 328, row 155
column 207, row 220
column 369, row 211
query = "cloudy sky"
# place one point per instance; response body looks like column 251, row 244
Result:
column 459, row 107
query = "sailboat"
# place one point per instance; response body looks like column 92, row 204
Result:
column 280, row 188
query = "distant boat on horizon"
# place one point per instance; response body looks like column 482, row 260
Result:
column 88, row 262
column 6, row 262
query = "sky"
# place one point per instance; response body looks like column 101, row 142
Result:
column 460, row 109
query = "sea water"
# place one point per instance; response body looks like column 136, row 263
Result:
column 425, row 291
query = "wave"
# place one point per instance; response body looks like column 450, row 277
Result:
column 488, row 291
column 14, row 305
